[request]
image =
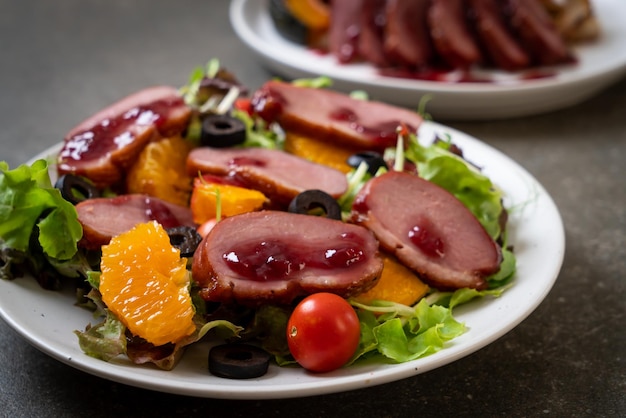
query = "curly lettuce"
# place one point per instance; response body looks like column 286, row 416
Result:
column 39, row 229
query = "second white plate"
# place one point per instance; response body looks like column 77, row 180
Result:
column 600, row 64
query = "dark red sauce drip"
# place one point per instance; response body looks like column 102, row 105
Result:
column 243, row 161
column 462, row 76
column 423, row 236
column 273, row 260
column 112, row 134
column 359, row 205
column 267, row 104
column 385, row 134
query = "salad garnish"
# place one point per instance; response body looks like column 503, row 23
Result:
column 40, row 233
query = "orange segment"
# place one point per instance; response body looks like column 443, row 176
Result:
column 233, row 200
column 397, row 284
column 314, row 14
column 333, row 156
column 145, row 283
column 160, row 171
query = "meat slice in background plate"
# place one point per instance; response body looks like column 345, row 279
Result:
column 407, row 40
column 331, row 116
column 105, row 217
column 500, row 45
column 537, row 32
column 428, row 229
column 275, row 257
column 278, row 175
column 373, row 21
column 103, row 146
column 345, row 29
column 451, row 35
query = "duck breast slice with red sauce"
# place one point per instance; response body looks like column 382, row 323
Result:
column 103, row 146
column 331, row 116
column 372, row 18
column 276, row 257
column 105, row 217
column 537, row 32
column 345, row 29
column 428, row 229
column 277, row 174
column 451, row 35
column 500, row 45
column 407, row 40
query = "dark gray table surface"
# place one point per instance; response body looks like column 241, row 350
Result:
column 63, row 60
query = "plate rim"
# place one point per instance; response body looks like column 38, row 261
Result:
column 304, row 384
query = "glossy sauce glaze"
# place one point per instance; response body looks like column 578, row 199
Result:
column 385, row 134
column 112, row 134
column 270, row 260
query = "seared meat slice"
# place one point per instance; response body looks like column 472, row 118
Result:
column 502, row 48
column 537, row 32
column 105, row 217
column 277, row 174
column 275, row 257
column 451, row 35
column 103, row 146
column 407, row 40
column 428, row 229
column 331, row 116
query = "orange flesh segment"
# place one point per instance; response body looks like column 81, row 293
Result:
column 145, row 283
column 234, row 200
column 397, row 284
column 160, row 171
column 319, row 152
column 314, row 14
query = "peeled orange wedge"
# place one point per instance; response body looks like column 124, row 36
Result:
column 145, row 283
column 160, row 171
column 334, row 156
column 397, row 284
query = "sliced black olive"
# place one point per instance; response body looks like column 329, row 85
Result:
column 373, row 160
column 75, row 189
column 286, row 24
column 220, row 131
column 309, row 200
column 185, row 238
column 238, row 361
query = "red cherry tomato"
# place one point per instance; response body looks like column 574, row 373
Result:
column 323, row 332
column 206, row 227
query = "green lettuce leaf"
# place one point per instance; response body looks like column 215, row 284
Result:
column 27, row 199
column 38, row 227
column 403, row 333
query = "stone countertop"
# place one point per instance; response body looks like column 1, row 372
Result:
column 64, row 60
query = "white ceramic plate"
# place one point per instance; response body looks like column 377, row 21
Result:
column 600, row 64
column 47, row 319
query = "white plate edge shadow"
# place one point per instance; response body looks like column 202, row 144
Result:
column 47, row 319
column 601, row 64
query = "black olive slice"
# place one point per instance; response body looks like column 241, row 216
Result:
column 221, row 131
column 309, row 200
column 238, row 361
column 75, row 189
column 373, row 160
column 185, row 238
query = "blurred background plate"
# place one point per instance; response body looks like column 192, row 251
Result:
column 600, row 63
